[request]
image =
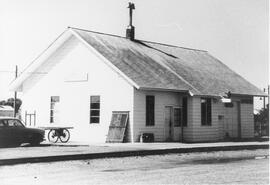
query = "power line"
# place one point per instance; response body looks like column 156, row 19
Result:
column 24, row 72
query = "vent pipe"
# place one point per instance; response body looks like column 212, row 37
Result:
column 130, row 32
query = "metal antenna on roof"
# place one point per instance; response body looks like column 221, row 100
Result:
column 131, row 7
column 130, row 32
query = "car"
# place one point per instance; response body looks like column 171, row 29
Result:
column 14, row 133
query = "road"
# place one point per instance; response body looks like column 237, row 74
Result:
column 231, row 167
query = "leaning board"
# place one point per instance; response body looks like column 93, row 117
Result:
column 117, row 127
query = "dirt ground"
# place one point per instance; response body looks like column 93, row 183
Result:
column 231, row 167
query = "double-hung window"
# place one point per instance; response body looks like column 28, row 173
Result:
column 54, row 101
column 94, row 109
column 206, row 111
column 150, row 110
column 177, row 117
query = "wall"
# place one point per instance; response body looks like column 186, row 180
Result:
column 162, row 99
column 199, row 132
column 223, row 120
column 74, row 74
column 247, row 120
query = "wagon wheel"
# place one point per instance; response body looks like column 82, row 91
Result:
column 64, row 136
column 53, row 136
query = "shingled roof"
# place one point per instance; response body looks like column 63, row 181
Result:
column 155, row 66
column 159, row 66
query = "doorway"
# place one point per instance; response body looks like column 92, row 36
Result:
column 169, row 123
column 232, row 125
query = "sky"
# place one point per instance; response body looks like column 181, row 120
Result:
column 234, row 31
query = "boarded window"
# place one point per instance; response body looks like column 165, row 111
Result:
column 206, row 111
column 94, row 109
column 150, row 110
column 185, row 111
column 54, row 101
column 177, row 117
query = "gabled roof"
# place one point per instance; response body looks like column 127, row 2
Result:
column 150, row 65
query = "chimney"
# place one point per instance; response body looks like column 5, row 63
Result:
column 130, row 32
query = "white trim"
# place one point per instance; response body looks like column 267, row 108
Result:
column 106, row 61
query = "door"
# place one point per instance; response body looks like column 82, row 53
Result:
column 239, row 119
column 232, row 127
column 169, row 123
column 4, row 136
column 222, row 127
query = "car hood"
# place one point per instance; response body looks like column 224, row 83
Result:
column 35, row 130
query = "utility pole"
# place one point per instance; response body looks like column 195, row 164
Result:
column 268, row 95
column 264, row 99
column 15, row 93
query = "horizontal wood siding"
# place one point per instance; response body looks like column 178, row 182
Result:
column 247, row 121
column 204, row 133
column 162, row 99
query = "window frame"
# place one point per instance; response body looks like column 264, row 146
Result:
column 206, row 111
column 149, row 110
column 185, row 111
column 52, row 105
column 180, row 116
column 94, row 109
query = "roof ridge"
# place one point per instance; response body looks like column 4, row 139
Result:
column 102, row 33
column 173, row 45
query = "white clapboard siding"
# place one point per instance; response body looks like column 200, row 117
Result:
column 247, row 121
column 115, row 93
column 204, row 133
column 162, row 99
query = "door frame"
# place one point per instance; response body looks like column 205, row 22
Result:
column 239, row 134
column 170, row 127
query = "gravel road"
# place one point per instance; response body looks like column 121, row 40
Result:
column 231, row 167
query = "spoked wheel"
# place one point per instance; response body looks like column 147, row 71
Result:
column 53, row 136
column 64, row 136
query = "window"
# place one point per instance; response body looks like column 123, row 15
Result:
column 2, row 124
column 185, row 111
column 94, row 109
column 14, row 123
column 54, row 101
column 177, row 117
column 150, row 110
column 206, row 115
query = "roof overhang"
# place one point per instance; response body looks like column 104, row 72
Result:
column 188, row 92
column 16, row 85
column 253, row 95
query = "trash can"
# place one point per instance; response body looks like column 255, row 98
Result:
column 147, row 137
